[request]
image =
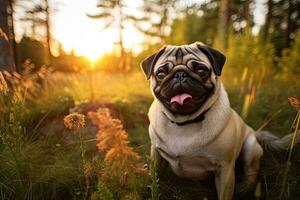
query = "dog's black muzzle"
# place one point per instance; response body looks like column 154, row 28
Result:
column 180, row 76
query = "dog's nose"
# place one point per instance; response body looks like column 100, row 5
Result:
column 180, row 76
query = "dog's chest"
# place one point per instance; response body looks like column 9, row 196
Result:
column 193, row 149
column 183, row 148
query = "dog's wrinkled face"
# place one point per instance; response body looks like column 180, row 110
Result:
column 183, row 77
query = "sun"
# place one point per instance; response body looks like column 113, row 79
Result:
column 92, row 46
column 84, row 36
column 78, row 33
column 92, row 56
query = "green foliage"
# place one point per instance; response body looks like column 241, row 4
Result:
column 281, row 24
column 154, row 181
column 245, row 51
column 106, row 62
column 156, row 14
column 32, row 49
column 251, row 69
column 277, row 38
column 69, row 63
column 290, row 60
column 196, row 24
column 31, row 169
column 103, row 192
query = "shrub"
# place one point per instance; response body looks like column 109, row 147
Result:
column 290, row 60
column 120, row 159
column 102, row 193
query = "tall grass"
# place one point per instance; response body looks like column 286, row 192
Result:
column 255, row 80
column 296, row 104
column 30, row 168
column 154, row 181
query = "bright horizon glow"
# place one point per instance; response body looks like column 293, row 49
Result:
column 90, row 46
column 80, row 34
column 76, row 31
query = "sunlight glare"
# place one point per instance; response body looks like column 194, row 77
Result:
column 77, row 32
column 91, row 46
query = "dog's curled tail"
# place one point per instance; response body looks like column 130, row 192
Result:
column 273, row 143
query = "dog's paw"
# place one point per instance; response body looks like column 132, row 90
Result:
column 147, row 169
column 244, row 187
column 146, row 166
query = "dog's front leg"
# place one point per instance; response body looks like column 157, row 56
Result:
column 159, row 162
column 252, row 153
column 224, row 180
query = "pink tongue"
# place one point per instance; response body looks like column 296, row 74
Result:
column 180, row 98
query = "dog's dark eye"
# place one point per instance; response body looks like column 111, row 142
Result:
column 161, row 74
column 200, row 69
column 162, row 71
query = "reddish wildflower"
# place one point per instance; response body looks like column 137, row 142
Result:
column 124, row 177
column 74, row 121
column 294, row 102
column 113, row 141
column 3, row 85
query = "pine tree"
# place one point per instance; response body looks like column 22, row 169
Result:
column 265, row 30
column 224, row 23
column 32, row 15
column 112, row 12
column 196, row 24
column 6, row 53
column 157, row 17
column 282, row 23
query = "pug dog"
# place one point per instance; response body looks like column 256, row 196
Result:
column 192, row 126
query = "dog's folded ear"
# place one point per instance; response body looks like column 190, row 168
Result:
column 148, row 64
column 216, row 58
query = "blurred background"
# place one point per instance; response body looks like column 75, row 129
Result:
column 74, row 102
column 69, row 34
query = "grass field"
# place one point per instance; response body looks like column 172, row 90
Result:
column 41, row 159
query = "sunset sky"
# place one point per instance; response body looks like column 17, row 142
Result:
column 75, row 30
column 72, row 27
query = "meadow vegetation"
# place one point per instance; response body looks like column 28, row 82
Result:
column 103, row 157
column 76, row 127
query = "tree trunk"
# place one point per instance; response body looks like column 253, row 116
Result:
column 224, row 22
column 12, row 33
column 6, row 54
column 248, row 17
column 121, row 42
column 163, row 23
column 48, row 31
column 289, row 23
column 268, row 22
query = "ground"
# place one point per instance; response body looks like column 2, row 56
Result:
column 128, row 97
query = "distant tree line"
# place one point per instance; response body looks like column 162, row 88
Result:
column 213, row 21
column 37, row 14
column 6, row 35
column 178, row 21
column 161, row 22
